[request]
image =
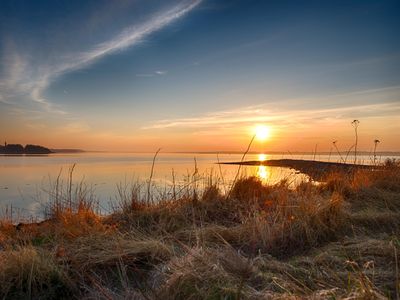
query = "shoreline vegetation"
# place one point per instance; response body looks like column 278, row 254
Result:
column 18, row 149
column 338, row 239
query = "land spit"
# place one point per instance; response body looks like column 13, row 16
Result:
column 317, row 170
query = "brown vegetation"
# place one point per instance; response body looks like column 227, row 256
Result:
column 339, row 240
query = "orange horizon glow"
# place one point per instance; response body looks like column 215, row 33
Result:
column 298, row 135
column 285, row 141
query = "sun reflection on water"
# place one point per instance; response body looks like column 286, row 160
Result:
column 263, row 173
column 262, row 157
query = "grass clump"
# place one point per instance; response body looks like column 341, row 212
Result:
column 32, row 273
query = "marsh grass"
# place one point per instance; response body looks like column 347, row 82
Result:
column 338, row 239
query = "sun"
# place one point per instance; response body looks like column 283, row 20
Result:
column 262, row 132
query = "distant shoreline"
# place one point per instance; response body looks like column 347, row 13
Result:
column 364, row 153
column 29, row 149
column 68, row 151
column 284, row 153
column 385, row 153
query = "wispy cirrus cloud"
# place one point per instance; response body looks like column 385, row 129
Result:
column 23, row 77
column 152, row 74
column 271, row 113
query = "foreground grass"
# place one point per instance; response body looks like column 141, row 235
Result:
column 336, row 240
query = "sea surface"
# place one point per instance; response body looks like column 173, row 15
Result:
column 26, row 182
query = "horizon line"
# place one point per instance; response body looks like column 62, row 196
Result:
column 361, row 152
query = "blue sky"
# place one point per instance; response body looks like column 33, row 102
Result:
column 143, row 74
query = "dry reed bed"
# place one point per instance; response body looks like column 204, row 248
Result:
column 339, row 239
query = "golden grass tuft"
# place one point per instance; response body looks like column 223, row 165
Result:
column 105, row 249
column 28, row 272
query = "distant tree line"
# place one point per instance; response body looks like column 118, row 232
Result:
column 19, row 149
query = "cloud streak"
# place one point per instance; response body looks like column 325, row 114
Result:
column 30, row 80
column 129, row 37
column 247, row 116
column 155, row 73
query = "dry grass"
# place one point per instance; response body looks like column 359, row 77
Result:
column 338, row 240
column 29, row 272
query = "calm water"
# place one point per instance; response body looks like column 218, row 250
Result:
column 25, row 180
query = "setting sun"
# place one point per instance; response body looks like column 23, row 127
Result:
column 262, row 132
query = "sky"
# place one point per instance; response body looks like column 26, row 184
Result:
column 199, row 75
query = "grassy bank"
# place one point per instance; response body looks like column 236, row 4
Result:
column 339, row 239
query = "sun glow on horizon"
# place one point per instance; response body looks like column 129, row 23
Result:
column 262, row 132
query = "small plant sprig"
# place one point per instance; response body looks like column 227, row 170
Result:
column 376, row 142
column 340, row 155
column 355, row 124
